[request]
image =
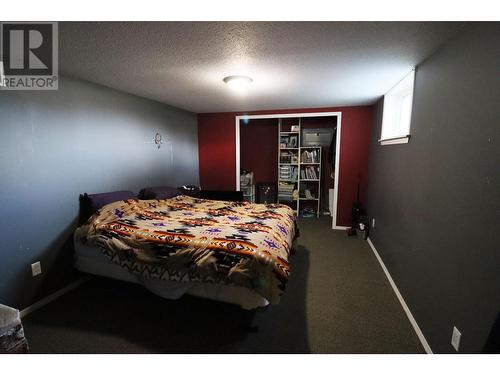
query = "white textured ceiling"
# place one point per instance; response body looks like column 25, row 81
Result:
column 293, row 64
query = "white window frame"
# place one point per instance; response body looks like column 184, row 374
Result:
column 396, row 120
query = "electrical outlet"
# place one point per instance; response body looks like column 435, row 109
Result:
column 36, row 269
column 455, row 338
column 373, row 222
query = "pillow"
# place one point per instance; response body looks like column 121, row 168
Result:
column 90, row 203
column 159, row 192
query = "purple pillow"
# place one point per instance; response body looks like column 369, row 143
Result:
column 102, row 199
column 159, row 192
column 90, row 203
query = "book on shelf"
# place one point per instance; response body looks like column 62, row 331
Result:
column 286, row 187
column 288, row 172
column 309, row 173
column 289, row 141
column 309, row 156
column 285, row 191
column 312, row 172
column 288, row 157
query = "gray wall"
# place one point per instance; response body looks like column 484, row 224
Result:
column 436, row 200
column 56, row 145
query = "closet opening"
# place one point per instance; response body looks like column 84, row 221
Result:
column 290, row 159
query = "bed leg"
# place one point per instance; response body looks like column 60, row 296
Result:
column 247, row 323
column 293, row 248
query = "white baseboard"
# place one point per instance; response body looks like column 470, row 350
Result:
column 339, row 227
column 406, row 309
column 53, row 296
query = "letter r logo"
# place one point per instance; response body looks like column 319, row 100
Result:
column 27, row 48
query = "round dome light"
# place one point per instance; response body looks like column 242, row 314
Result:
column 238, row 83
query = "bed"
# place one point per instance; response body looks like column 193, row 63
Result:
column 234, row 252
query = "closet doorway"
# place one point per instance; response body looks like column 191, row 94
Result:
column 290, row 158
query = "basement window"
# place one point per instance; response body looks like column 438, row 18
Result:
column 396, row 116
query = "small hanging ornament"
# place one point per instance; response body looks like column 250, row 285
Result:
column 158, row 140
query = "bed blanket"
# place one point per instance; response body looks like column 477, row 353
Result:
column 187, row 239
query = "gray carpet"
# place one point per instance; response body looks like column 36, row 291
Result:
column 338, row 300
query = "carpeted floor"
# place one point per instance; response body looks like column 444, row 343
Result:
column 338, row 301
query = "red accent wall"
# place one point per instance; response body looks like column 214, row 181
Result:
column 259, row 148
column 217, row 151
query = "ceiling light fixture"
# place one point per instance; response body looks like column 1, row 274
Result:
column 238, row 83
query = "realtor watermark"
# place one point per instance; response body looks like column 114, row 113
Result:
column 28, row 56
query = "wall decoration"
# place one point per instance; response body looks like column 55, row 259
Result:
column 158, row 140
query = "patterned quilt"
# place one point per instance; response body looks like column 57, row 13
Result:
column 187, row 239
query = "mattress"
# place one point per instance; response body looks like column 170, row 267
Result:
column 90, row 259
column 200, row 245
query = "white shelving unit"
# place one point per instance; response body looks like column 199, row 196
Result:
column 313, row 184
column 285, row 170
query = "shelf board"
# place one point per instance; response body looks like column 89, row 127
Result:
column 308, row 199
column 309, row 179
column 287, row 179
column 310, row 146
column 289, row 132
column 289, row 148
column 289, row 163
column 309, row 163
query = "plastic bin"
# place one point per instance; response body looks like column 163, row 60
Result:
column 12, row 338
column 362, row 234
